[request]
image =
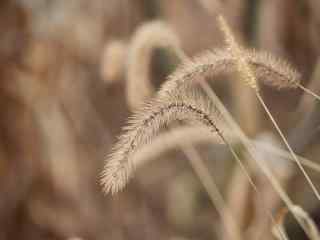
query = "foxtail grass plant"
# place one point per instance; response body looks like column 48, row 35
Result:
column 172, row 105
column 249, row 78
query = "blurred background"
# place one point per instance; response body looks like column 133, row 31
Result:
column 63, row 104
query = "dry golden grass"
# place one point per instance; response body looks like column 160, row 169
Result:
column 182, row 105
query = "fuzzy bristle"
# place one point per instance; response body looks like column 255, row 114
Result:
column 267, row 68
column 242, row 66
column 184, row 104
column 150, row 36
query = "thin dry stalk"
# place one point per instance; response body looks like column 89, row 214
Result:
column 308, row 223
column 314, row 189
column 212, row 189
column 260, row 228
column 306, row 101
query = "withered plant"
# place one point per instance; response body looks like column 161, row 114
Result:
column 180, row 100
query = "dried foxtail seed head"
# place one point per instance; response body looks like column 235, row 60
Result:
column 241, row 63
column 267, row 69
column 182, row 105
column 148, row 37
column 273, row 71
column 287, row 76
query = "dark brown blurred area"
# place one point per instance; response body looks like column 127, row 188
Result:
column 59, row 118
